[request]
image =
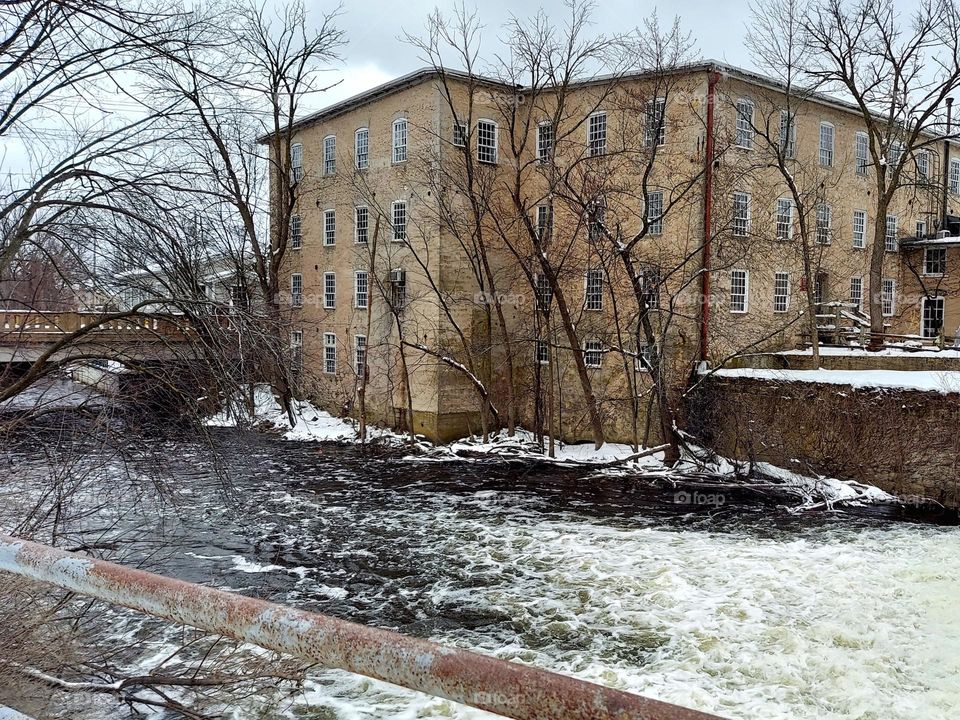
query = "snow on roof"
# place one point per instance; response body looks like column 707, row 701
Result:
column 941, row 381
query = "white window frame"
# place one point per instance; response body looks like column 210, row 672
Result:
column 828, row 141
column 593, row 290
column 888, row 297
column 361, row 297
column 296, row 162
column 890, row 236
column 357, row 224
column 541, row 351
column 942, row 262
column 788, row 138
column 543, row 292
column 329, row 353
column 296, row 289
column 656, row 123
column 741, row 225
column 545, row 139
column 361, row 148
column 861, row 151
column 895, row 153
column 857, row 282
column 329, row 155
column 544, row 221
column 859, row 229
column 781, row 292
column 593, row 348
column 744, row 127
column 398, row 208
column 296, row 232
column 487, row 141
column 740, row 308
column 359, row 353
column 460, row 134
column 923, row 164
column 400, row 138
column 329, row 290
column 824, row 224
column 329, row 227
column 597, row 133
column 955, row 176
column 921, row 229
column 654, row 212
column 923, row 307
column 784, row 219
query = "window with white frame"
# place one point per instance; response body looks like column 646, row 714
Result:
column 361, row 289
column 596, row 216
column 934, row 261
column 651, row 280
column 656, row 122
column 955, row 176
column 545, row 137
column 361, row 224
column 296, row 349
column 398, row 288
column 330, row 155
column 923, row 164
column 593, row 290
column 296, row 162
column 739, row 289
column 784, row 219
column 859, row 229
column 888, row 297
column 330, row 353
column 921, row 229
column 359, row 353
column 400, row 140
column 597, row 134
column 361, row 148
column 824, row 223
column 542, row 352
column 788, row 134
column 399, row 212
column 744, row 137
column 894, row 153
column 655, row 212
column 459, row 134
column 931, row 316
column 890, row 239
column 826, row 144
column 741, row 214
column 487, row 142
column 593, row 353
column 544, row 221
column 543, row 292
column 329, row 227
column 862, row 150
column 644, row 360
column 820, row 283
column 296, row 232
column 329, row 290
column 781, row 292
column 856, row 292
column 296, row 290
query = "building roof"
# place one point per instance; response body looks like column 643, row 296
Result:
column 423, row 74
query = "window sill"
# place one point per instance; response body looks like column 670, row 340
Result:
column 738, row 312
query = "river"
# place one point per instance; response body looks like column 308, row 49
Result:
column 742, row 609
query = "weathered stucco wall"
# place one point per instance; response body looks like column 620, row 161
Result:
column 905, row 442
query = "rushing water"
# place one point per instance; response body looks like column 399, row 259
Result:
column 743, row 610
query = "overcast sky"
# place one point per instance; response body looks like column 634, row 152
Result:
column 376, row 52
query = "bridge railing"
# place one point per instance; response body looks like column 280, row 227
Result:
column 505, row 688
column 32, row 326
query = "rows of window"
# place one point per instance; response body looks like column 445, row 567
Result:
column 783, row 289
column 361, row 289
column 361, row 225
column 330, row 352
column 783, row 221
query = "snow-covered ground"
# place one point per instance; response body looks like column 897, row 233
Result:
column 904, row 350
column 941, row 381
column 315, row 425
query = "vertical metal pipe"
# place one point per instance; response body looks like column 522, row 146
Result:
column 946, row 166
column 707, row 219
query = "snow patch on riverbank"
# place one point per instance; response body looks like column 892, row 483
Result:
column 315, row 425
column 941, row 381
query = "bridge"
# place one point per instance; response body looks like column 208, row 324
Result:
column 27, row 335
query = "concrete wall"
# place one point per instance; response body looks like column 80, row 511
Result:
column 904, row 442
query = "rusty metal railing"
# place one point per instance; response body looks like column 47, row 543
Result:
column 505, row 688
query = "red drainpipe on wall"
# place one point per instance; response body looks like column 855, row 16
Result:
column 714, row 77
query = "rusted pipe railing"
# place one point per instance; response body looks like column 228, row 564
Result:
column 506, row 688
